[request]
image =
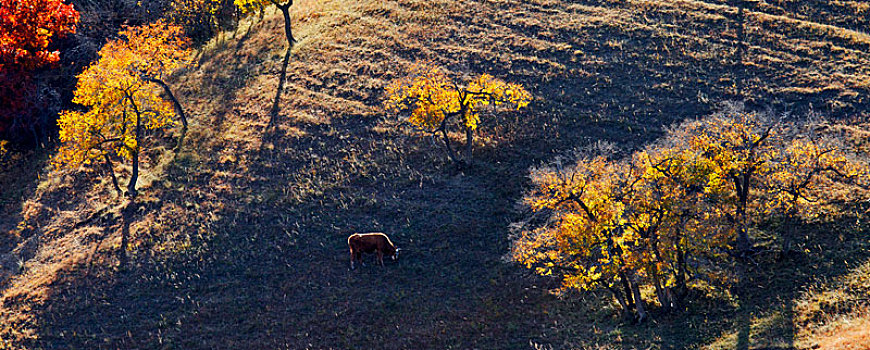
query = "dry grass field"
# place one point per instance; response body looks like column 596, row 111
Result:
column 239, row 240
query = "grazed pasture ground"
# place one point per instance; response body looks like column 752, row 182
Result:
column 239, row 240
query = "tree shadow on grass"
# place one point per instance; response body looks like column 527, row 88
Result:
column 626, row 83
column 273, row 269
column 761, row 314
column 273, row 112
column 222, row 69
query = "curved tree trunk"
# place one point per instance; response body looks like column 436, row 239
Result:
column 175, row 103
column 626, row 287
column 178, row 109
column 110, row 169
column 450, row 152
column 662, row 292
column 288, row 31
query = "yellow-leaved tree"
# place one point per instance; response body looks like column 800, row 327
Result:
column 584, row 239
column 120, row 99
column 812, row 172
column 623, row 224
column 437, row 103
column 742, row 146
column 672, row 213
column 767, row 166
column 678, row 234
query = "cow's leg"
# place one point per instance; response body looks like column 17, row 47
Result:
column 381, row 257
column 351, row 259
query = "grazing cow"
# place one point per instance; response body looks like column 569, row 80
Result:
column 374, row 242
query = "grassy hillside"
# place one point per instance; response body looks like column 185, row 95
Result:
column 238, row 241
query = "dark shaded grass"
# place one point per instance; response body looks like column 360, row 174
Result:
column 267, row 266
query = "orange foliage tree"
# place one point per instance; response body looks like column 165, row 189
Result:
column 27, row 29
column 671, row 213
column 437, row 103
column 120, row 94
column 585, row 240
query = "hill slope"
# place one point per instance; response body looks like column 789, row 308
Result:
column 239, row 240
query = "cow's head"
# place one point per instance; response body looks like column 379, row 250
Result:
column 396, row 253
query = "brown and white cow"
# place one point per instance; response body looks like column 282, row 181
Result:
column 374, row 242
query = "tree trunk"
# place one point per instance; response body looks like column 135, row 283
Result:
column 450, row 152
column 469, row 143
column 680, row 277
column 744, row 244
column 623, row 301
column 110, row 169
column 664, row 294
column 131, row 188
column 651, row 235
column 627, row 289
column 638, row 304
column 288, row 31
column 175, row 103
column 661, row 293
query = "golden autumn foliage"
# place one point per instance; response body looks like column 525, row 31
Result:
column 437, row 103
column 202, row 19
column 251, row 6
column 120, row 96
column 670, row 213
column 741, row 146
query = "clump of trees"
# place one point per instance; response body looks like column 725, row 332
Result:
column 671, row 214
column 28, row 31
column 437, row 104
column 120, row 98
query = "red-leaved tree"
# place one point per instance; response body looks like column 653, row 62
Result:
column 27, row 29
